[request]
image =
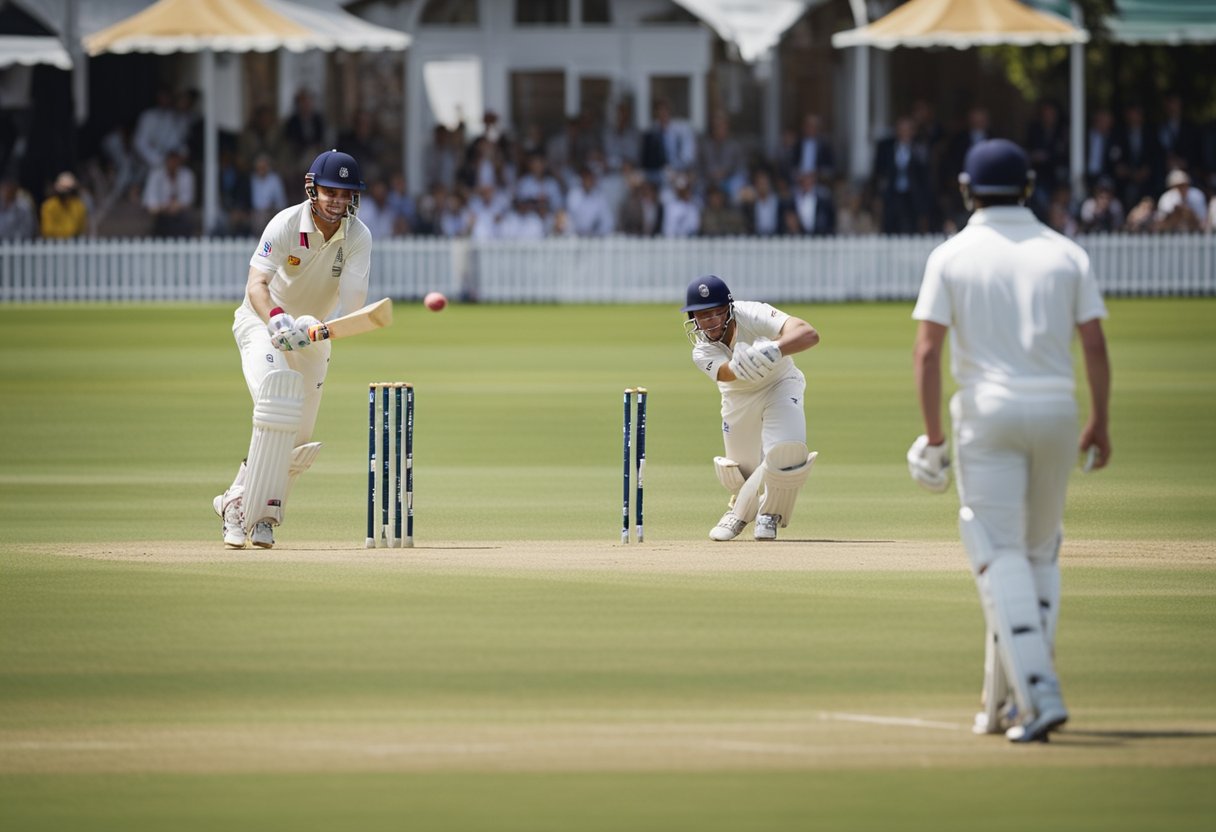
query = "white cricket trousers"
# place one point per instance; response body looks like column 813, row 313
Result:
column 259, row 357
column 756, row 420
column 1014, row 453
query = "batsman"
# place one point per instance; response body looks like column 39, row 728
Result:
column 311, row 263
column 1011, row 293
column 745, row 347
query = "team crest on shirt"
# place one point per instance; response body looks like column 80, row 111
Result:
column 265, row 249
column 292, row 260
column 339, row 262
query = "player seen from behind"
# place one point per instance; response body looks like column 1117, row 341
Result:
column 1011, row 292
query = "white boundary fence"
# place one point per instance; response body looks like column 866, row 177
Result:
column 613, row 270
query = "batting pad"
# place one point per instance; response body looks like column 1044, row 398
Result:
column 276, row 419
column 786, row 466
column 728, row 474
column 1011, row 608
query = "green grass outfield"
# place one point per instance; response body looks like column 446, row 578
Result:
column 521, row 669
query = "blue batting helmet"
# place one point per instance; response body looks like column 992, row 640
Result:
column 335, row 169
column 996, row 167
column 706, row 292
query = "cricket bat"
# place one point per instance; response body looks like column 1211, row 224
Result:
column 373, row 316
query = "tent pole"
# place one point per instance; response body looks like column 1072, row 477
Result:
column 210, row 146
column 1076, row 68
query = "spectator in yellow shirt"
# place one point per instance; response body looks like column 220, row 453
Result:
column 64, row 213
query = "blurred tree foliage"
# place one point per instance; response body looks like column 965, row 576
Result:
column 1115, row 74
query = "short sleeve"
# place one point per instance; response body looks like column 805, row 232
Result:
column 933, row 301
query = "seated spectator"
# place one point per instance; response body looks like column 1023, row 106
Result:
column 262, row 135
column 1059, row 219
column 1181, row 207
column 377, row 212
column 642, row 213
column 719, row 218
column 1143, row 217
column 537, row 181
column 399, row 197
column 620, row 141
column 901, row 177
column 235, row 198
column 1102, row 212
column 169, row 197
column 486, row 207
column 267, row 196
column 853, row 219
column 304, row 132
column 761, row 206
column 364, row 141
column 454, row 218
column 810, row 209
column 681, row 214
column 443, row 156
column 522, row 221
column 17, row 220
column 590, row 215
column 722, row 161
column 157, row 130
column 667, row 146
column 64, row 213
column 812, row 151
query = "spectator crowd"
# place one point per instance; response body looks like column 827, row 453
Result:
column 589, row 180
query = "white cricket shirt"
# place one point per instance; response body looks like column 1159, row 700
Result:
column 753, row 321
column 1012, row 292
column 312, row 275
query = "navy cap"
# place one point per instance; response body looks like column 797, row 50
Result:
column 706, row 292
column 335, row 169
column 997, row 167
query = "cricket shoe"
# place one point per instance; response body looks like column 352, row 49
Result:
column 766, row 526
column 1007, row 717
column 234, row 530
column 1050, row 714
column 728, row 527
column 262, row 535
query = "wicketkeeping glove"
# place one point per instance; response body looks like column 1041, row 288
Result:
column 929, row 465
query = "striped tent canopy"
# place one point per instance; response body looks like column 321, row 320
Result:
column 962, row 24
column 172, row 26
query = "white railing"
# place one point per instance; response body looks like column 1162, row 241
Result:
column 614, row 270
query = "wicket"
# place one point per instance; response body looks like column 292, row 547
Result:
column 640, row 460
column 390, row 413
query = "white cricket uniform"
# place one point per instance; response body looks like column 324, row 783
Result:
column 756, row 414
column 312, row 276
column 1012, row 292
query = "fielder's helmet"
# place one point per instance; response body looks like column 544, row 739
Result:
column 706, row 292
column 996, row 167
column 335, row 169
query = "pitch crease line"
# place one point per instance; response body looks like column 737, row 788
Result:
column 908, row 722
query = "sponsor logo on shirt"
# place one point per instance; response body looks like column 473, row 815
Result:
column 709, row 366
column 726, row 427
column 265, row 249
column 292, row 260
column 339, row 262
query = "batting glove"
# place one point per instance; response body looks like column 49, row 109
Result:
column 285, row 333
column 929, row 465
column 768, row 349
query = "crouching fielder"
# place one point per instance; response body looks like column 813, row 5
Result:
column 312, row 262
column 745, row 346
column 1010, row 292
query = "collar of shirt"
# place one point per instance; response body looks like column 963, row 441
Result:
column 1002, row 214
column 308, row 224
